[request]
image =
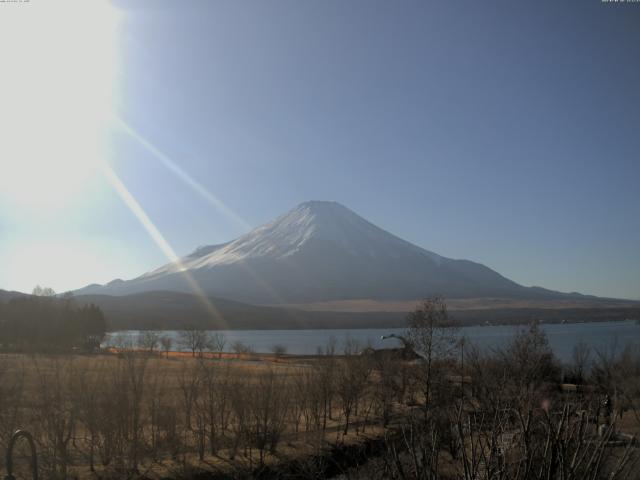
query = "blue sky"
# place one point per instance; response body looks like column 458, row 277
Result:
column 502, row 132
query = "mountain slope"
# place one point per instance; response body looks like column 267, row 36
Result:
column 322, row 251
column 8, row 295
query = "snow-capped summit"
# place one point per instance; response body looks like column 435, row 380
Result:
column 307, row 225
column 330, row 222
column 321, row 251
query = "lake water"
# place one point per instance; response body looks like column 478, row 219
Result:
column 562, row 337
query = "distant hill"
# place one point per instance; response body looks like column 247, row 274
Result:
column 8, row 295
column 175, row 310
column 322, row 251
column 160, row 310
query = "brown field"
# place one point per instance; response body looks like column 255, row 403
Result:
column 153, row 415
column 135, row 414
column 367, row 305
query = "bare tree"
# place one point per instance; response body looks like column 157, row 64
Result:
column 189, row 385
column 580, row 363
column 156, row 409
column 88, row 389
column 616, row 373
column 279, row 350
column 39, row 291
column 351, row 380
column 240, row 397
column 218, row 342
column 194, row 339
column 166, row 342
column 326, row 367
column 389, row 385
column 432, row 334
column 135, row 370
column 529, row 366
column 209, row 404
column 268, row 411
column 148, row 341
column 121, row 342
column 240, row 348
column 55, row 414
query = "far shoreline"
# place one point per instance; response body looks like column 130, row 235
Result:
column 320, row 320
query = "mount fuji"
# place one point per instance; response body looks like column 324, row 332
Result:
column 322, row 251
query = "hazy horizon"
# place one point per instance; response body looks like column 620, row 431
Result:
column 499, row 133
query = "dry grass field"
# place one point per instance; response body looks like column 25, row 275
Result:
column 367, row 305
column 141, row 414
column 119, row 414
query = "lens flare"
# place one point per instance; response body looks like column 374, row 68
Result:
column 182, row 175
column 160, row 241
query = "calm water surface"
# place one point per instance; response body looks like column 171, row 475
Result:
column 562, row 337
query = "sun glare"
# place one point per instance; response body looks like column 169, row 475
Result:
column 56, row 99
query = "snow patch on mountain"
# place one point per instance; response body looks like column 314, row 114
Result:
column 324, row 221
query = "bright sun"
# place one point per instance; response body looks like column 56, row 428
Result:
column 56, row 99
